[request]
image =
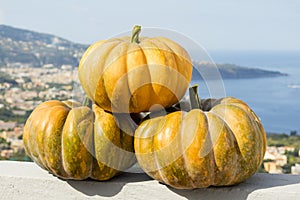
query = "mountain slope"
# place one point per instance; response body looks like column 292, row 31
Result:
column 37, row 49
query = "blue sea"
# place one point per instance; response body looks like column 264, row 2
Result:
column 275, row 100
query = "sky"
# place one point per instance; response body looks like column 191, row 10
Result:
column 215, row 24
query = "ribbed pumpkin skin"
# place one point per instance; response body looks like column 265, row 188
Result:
column 65, row 139
column 196, row 149
column 128, row 77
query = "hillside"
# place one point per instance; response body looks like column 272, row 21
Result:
column 282, row 139
column 18, row 46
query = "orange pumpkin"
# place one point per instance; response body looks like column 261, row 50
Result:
column 74, row 142
column 131, row 74
column 222, row 144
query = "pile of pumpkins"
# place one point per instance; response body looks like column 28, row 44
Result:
column 218, row 142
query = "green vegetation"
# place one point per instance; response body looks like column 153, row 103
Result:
column 292, row 159
column 261, row 168
column 60, row 85
column 6, row 78
column 8, row 115
column 4, row 144
column 283, row 139
column 292, row 140
column 20, row 156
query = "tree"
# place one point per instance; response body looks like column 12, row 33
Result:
column 286, row 169
column 2, row 140
column 293, row 133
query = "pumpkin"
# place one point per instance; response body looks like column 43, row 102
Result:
column 75, row 142
column 131, row 74
column 219, row 145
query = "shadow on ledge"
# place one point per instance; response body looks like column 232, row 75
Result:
column 107, row 190
column 250, row 187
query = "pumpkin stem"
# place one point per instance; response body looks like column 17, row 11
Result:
column 135, row 34
column 194, row 98
column 87, row 102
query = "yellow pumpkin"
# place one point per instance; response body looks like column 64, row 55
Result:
column 131, row 74
column 222, row 144
column 74, row 142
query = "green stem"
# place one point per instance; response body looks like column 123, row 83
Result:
column 194, row 98
column 87, row 102
column 135, row 34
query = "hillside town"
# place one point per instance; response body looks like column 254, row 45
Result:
column 17, row 100
column 31, row 88
column 277, row 157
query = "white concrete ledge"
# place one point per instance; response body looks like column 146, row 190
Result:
column 24, row 180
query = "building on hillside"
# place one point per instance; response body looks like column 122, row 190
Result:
column 7, row 125
column 295, row 169
column 274, row 160
column 6, row 153
column 272, row 168
column 284, row 149
column 279, row 159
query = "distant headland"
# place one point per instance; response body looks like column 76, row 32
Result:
column 209, row 70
